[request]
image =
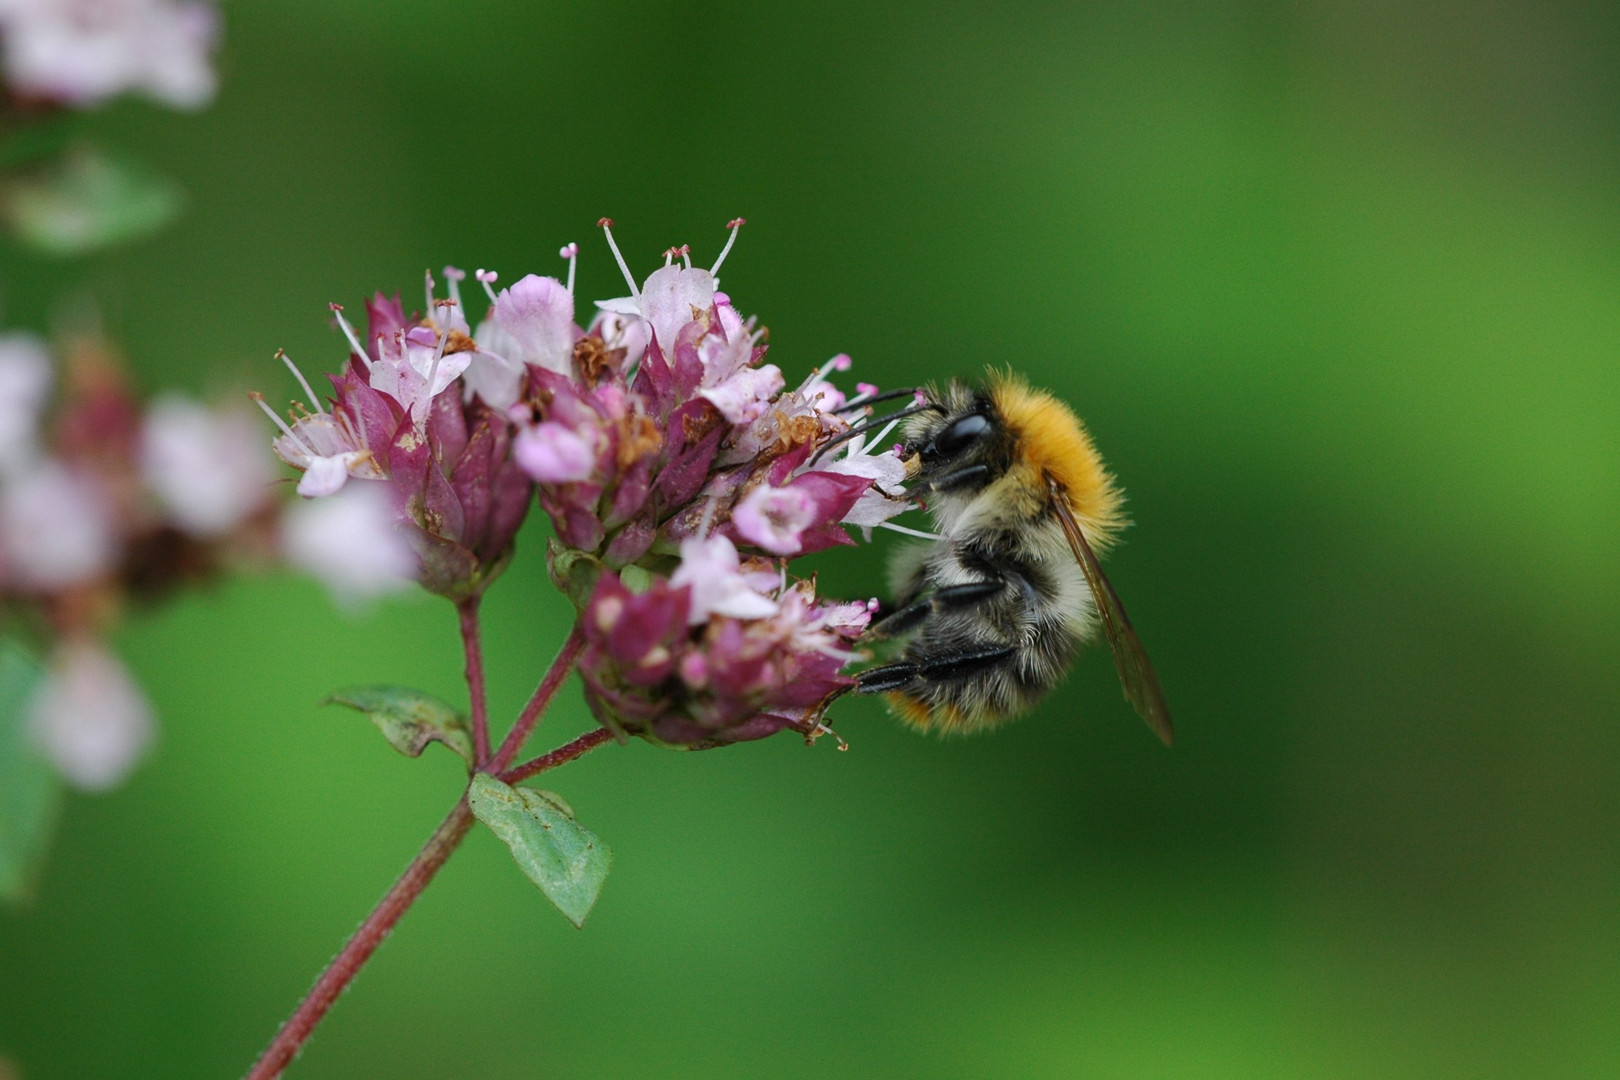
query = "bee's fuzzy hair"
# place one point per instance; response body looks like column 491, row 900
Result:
column 1052, row 442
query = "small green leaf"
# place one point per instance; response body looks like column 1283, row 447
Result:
column 28, row 785
column 409, row 719
column 574, row 573
column 84, row 200
column 567, row 860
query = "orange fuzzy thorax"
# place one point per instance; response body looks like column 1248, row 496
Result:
column 1053, row 443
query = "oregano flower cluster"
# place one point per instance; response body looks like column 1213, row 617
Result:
column 679, row 472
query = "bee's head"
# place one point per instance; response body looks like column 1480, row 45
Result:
column 959, row 446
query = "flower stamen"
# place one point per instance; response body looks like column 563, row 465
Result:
column 258, row 399
column 735, row 225
column 455, row 277
column 841, row 362
column 607, row 227
column 920, row 534
column 571, row 253
column 354, row 339
column 281, row 354
column 487, row 279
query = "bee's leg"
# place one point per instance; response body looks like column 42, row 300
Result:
column 954, row 664
column 880, row 680
column 960, row 662
column 950, row 598
column 970, row 476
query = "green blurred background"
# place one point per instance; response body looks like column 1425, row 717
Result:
column 1337, row 287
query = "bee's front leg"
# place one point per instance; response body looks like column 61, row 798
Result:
column 950, row 598
column 939, row 667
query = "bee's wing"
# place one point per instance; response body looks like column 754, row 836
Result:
column 1136, row 675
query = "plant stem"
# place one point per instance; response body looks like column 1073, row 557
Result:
column 553, row 680
column 358, row 949
column 472, row 643
column 346, row 965
column 560, row 756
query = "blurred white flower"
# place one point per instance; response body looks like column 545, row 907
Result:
column 55, row 529
column 350, row 542
column 25, row 379
column 89, row 717
column 207, row 467
column 82, row 52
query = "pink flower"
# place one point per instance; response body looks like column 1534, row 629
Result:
column 413, row 368
column 56, row 528
column 350, row 543
column 884, row 497
column 82, row 52
column 666, row 301
column 207, row 468
column 712, row 570
column 534, row 319
column 553, row 453
column 775, row 518
column 626, row 332
column 651, row 669
column 402, row 416
column 89, row 717
column 673, row 295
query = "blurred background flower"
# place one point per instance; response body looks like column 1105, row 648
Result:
column 83, row 52
column 1334, row 287
column 106, row 503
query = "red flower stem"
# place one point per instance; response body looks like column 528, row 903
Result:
column 347, row 964
column 472, row 643
column 358, row 949
column 560, row 756
column 560, row 667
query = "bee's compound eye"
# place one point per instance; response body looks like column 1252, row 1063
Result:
column 960, row 435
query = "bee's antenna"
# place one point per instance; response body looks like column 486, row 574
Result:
column 862, row 402
column 875, row 422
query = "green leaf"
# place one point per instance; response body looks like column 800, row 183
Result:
column 28, row 786
column 574, row 573
column 84, row 200
column 567, row 860
column 409, row 719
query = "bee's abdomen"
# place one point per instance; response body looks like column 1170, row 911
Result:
column 970, row 667
column 936, row 698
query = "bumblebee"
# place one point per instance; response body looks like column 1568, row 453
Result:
column 989, row 616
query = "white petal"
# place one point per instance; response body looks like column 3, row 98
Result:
column 538, row 313
column 494, row 378
column 325, row 476
column 624, row 305
column 744, row 397
column 670, row 295
column 710, row 567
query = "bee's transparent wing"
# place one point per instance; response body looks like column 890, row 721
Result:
column 1136, row 675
